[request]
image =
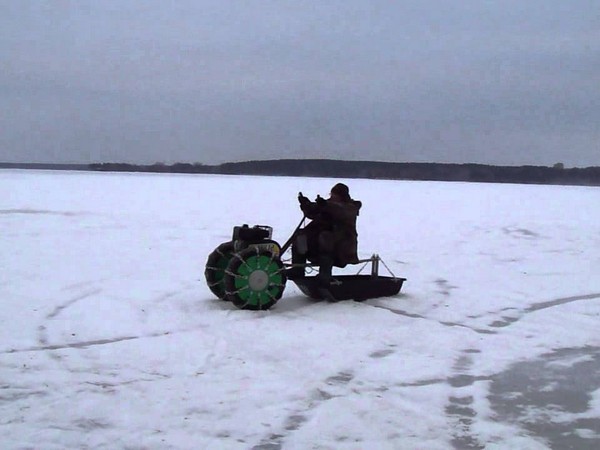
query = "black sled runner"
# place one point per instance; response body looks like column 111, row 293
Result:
column 249, row 272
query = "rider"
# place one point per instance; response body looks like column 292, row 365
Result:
column 330, row 239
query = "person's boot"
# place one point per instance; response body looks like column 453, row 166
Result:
column 324, row 278
column 293, row 273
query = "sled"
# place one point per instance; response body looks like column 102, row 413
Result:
column 350, row 287
column 249, row 272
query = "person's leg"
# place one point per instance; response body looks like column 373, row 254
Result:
column 299, row 252
column 326, row 247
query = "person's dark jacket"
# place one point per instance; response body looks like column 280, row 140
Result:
column 338, row 217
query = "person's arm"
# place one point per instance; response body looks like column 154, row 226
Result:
column 310, row 209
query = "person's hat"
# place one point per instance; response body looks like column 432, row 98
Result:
column 341, row 190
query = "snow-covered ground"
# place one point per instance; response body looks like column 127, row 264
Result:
column 110, row 338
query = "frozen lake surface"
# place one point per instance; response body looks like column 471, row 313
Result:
column 110, row 338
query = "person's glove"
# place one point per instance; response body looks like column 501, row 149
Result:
column 302, row 199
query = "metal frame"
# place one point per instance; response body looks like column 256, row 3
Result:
column 375, row 260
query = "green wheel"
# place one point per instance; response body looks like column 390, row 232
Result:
column 255, row 279
column 215, row 268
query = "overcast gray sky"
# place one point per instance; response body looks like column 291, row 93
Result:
column 501, row 82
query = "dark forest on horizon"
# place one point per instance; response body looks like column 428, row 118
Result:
column 557, row 174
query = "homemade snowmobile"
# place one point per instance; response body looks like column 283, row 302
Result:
column 249, row 271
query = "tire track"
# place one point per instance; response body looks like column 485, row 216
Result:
column 83, row 344
column 331, row 387
column 42, row 330
column 296, row 419
column 506, row 320
column 403, row 313
column 459, row 410
column 60, row 308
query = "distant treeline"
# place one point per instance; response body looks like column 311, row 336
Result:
column 44, row 166
column 558, row 174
